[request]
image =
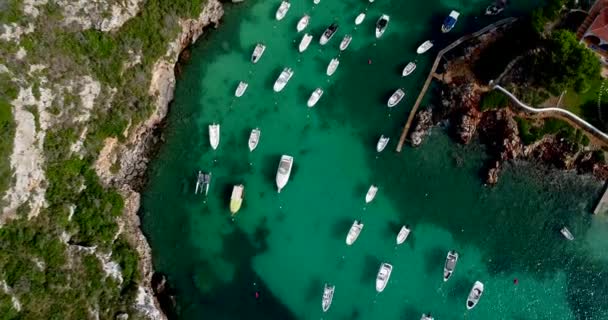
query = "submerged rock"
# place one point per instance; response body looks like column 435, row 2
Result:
column 424, row 122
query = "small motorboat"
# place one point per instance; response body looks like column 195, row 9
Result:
column 316, row 1
column 409, row 68
column 360, row 18
column 282, row 80
column 328, row 296
column 203, row 180
column 450, row 264
column 450, row 21
column 241, row 89
column 383, row 275
column 236, row 199
column 303, row 23
column 371, row 193
column 566, row 233
column 282, row 11
column 496, row 8
column 427, row 316
column 254, row 139
column 314, row 97
column 257, row 52
column 395, row 98
column 283, row 171
column 306, row 39
column 381, row 25
column 474, row 295
column 354, row 232
column 424, row 47
column 403, row 234
column 332, row 66
column 382, row 143
column 214, row 135
column 328, row 33
column 345, row 42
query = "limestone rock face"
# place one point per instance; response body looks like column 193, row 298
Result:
column 424, row 122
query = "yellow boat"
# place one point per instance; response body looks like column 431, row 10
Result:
column 237, row 198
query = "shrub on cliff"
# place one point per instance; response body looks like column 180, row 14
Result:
column 493, row 100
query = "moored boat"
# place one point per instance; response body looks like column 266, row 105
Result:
column 283, row 171
column 474, row 295
column 383, row 276
column 403, row 234
column 382, row 142
column 353, row 232
column 424, row 47
column 240, row 89
column 360, row 18
column 303, row 23
column 450, row 264
column 427, row 316
column 203, row 180
column 282, row 80
column 306, row 39
column 450, row 21
column 371, row 193
column 236, row 199
column 332, row 66
column 496, row 8
column 282, row 10
column 257, row 52
column 214, row 135
column 314, row 97
column 409, row 68
column 328, row 296
column 345, row 42
column 316, row 1
column 254, row 139
column 328, row 33
column 395, row 98
column 381, row 25
column 566, row 233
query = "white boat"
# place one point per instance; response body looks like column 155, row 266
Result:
column 316, row 1
column 383, row 275
column 303, row 23
column 282, row 11
column 314, row 97
column 353, row 232
column 474, row 295
column 282, row 80
column 203, row 180
column 427, row 316
column 254, row 139
column 236, row 199
column 496, row 8
column 371, row 193
column 395, row 98
column 403, row 234
column 345, row 42
column 409, row 68
column 332, row 66
column 382, row 142
column 306, row 39
column 328, row 296
column 381, row 25
column 283, row 171
column 328, row 33
column 450, row 21
column 566, row 233
column 450, row 264
column 360, row 18
column 214, row 135
column 257, row 52
column 424, row 47
column 241, row 88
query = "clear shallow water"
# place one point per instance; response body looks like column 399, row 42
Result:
column 286, row 246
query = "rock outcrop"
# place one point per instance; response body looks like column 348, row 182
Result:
column 424, row 122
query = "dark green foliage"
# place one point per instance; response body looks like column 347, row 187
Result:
column 493, row 100
column 7, row 132
column 550, row 12
column 10, row 11
column 128, row 261
column 560, row 128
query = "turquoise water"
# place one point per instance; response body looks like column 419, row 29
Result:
column 286, row 246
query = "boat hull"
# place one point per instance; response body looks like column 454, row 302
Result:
column 382, row 143
column 328, row 296
column 448, row 269
column 254, row 139
column 381, row 25
column 314, row 98
column 258, row 52
column 409, row 68
column 282, row 11
column 214, row 135
column 360, row 19
column 475, row 295
column 395, row 98
column 403, row 234
column 305, row 42
column 371, row 194
column 332, row 67
column 236, row 199
column 283, row 172
column 303, row 23
column 383, row 276
column 424, row 47
column 354, row 232
column 345, row 42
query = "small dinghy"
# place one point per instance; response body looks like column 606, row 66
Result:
column 254, row 139
column 424, row 47
column 303, row 23
column 282, row 11
column 371, row 193
column 203, row 180
column 283, row 171
column 241, row 89
column 236, row 199
column 383, row 275
column 360, row 18
column 427, row 316
column 354, row 232
column 381, row 25
column 403, row 234
column 450, row 264
column 214, row 135
column 382, row 142
column 474, row 295
column 450, row 21
column 328, row 33
column 332, row 66
column 328, row 296
column 257, row 52
column 409, row 68
column 566, row 233
column 345, row 42
column 314, row 97
column 306, row 39
column 282, row 80
column 395, row 98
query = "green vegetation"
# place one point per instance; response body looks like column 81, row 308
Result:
column 7, row 132
column 531, row 133
column 493, row 100
column 544, row 15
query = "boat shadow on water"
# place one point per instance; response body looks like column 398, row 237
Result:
column 434, row 260
column 340, row 228
column 370, row 269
